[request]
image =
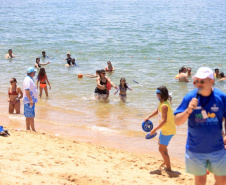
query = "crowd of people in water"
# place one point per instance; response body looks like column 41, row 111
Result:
column 204, row 108
column 185, row 73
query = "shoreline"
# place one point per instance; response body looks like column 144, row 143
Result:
column 39, row 158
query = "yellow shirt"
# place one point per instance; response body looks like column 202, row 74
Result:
column 169, row 127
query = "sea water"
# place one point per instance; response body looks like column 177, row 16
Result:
column 146, row 41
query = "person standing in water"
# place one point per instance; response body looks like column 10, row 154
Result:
column 38, row 64
column 204, row 108
column 10, row 54
column 109, row 68
column 42, row 79
column 14, row 98
column 103, row 82
column 123, row 86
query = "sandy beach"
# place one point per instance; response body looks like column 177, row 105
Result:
column 38, row 158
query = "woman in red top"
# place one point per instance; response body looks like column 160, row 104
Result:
column 14, row 99
column 42, row 79
column 109, row 68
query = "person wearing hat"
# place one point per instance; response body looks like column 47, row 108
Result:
column 204, row 108
column 30, row 98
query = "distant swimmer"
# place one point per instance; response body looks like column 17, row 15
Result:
column 123, row 86
column 93, row 76
column 216, row 74
column 44, row 55
column 183, row 76
column 221, row 76
column 14, row 98
column 189, row 72
column 70, row 61
column 109, row 68
column 38, row 64
column 177, row 76
column 102, row 91
column 10, row 54
column 43, row 80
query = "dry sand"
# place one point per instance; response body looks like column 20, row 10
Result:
column 36, row 158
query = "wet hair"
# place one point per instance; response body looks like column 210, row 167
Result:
column 182, row 68
column 10, row 50
column 216, row 70
column 221, row 74
column 73, row 61
column 164, row 93
column 41, row 74
column 125, row 85
column 37, row 59
column 14, row 79
column 98, row 71
column 108, row 62
column 43, row 51
column 188, row 68
column 180, row 71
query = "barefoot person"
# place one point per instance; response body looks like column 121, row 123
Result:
column 14, row 98
column 43, row 80
column 10, row 54
column 30, row 98
column 166, row 124
column 205, row 108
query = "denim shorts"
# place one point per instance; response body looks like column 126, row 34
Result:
column 164, row 139
column 29, row 112
column 198, row 163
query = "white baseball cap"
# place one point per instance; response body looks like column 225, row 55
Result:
column 204, row 72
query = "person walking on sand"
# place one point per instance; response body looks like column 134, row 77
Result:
column 14, row 98
column 30, row 98
column 42, row 79
column 166, row 123
column 205, row 108
column 10, row 54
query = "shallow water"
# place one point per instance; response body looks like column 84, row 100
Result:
column 145, row 41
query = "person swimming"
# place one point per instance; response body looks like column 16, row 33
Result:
column 93, row 76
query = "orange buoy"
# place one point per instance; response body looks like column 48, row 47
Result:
column 80, row 75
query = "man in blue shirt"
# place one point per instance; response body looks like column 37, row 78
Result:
column 205, row 108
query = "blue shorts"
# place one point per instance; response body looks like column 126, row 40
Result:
column 198, row 163
column 164, row 139
column 29, row 112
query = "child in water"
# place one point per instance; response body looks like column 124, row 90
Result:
column 166, row 123
column 123, row 86
column 42, row 79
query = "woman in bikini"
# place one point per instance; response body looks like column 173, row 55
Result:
column 42, row 79
column 103, row 81
column 14, row 98
column 123, row 86
column 109, row 68
column 38, row 65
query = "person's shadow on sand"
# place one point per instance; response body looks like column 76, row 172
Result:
column 171, row 174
